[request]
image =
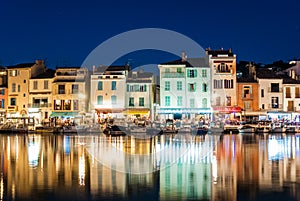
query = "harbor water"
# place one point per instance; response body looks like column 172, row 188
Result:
column 164, row 167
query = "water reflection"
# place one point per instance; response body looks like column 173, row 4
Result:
column 168, row 167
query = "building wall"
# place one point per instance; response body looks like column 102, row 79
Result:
column 265, row 85
column 253, row 98
column 223, row 92
column 295, row 99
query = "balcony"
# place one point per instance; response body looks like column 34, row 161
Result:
column 39, row 105
column 275, row 106
column 270, row 90
column 224, row 71
column 247, row 96
column 12, row 108
column 291, row 109
column 172, row 75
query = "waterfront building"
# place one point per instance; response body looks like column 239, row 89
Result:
column 70, row 90
column 140, row 94
column 270, row 92
column 40, row 96
column 3, row 94
column 223, row 80
column 108, row 87
column 247, row 94
column 184, row 88
column 18, row 86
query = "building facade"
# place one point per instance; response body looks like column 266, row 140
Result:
column 108, row 87
column 18, row 86
column 70, row 90
column 3, row 94
column 40, row 96
column 139, row 95
column 184, row 88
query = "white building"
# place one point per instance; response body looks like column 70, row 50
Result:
column 108, row 87
column 140, row 94
column 184, row 88
column 70, row 90
column 40, row 96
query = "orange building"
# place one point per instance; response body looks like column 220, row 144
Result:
column 3, row 94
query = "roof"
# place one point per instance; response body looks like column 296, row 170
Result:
column 49, row 73
column 67, row 67
column 246, row 80
column 22, row 65
column 190, row 62
column 102, row 69
column 140, row 75
column 265, row 73
column 69, row 80
column 215, row 53
column 288, row 80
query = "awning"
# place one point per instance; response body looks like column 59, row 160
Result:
column 184, row 111
column 64, row 114
column 137, row 111
column 227, row 109
column 108, row 110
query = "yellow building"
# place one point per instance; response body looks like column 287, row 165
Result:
column 40, row 96
column 18, row 86
column 69, row 92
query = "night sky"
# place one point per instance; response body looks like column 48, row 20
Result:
column 65, row 32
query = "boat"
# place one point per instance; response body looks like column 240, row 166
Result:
column 12, row 128
column 216, row 127
column 170, row 127
column 232, row 127
column 201, row 130
column 263, row 127
column 246, row 129
column 115, row 130
column 277, row 128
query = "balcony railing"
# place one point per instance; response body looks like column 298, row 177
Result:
column 291, row 109
column 247, row 96
column 39, row 105
column 274, row 91
column 223, row 71
column 172, row 75
column 275, row 106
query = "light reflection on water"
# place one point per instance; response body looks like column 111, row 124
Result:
column 171, row 167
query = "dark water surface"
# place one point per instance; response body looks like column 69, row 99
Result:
column 167, row 167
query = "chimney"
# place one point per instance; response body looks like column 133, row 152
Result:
column 183, row 56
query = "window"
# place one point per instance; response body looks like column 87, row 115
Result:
column 141, row 101
column 228, row 84
column 297, row 92
column 228, row 100
column 275, row 103
column 179, row 100
column 35, row 85
column 288, row 92
column 192, row 103
column 14, row 73
column 75, row 105
column 74, row 88
column 179, row 70
column 204, row 87
column 19, row 88
column 192, row 87
column 179, row 85
column 247, row 91
column 13, row 87
column 263, row 106
column 46, row 84
column 13, row 101
column 204, row 103
column 223, row 68
column 204, row 73
column 99, row 100
column 218, row 101
column 57, row 104
column 167, row 101
column 274, row 87
column 24, row 95
column 61, row 89
column 262, row 93
column 143, row 88
column 131, row 101
column 113, row 85
column 192, row 73
column 167, row 85
column 3, row 91
column 3, row 104
column 167, row 70
column 24, row 81
column 100, row 87
column 218, row 84
column 247, row 105
column 67, row 105
column 113, row 99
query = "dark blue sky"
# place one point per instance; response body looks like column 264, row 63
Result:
column 65, row 32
